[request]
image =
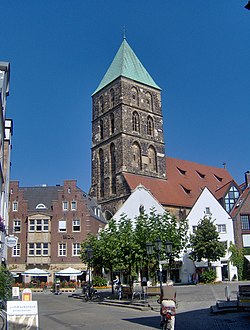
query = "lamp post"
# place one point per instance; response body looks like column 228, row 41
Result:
column 169, row 246
column 157, row 247
column 89, row 256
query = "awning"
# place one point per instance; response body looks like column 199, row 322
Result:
column 247, row 257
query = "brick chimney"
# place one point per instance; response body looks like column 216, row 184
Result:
column 247, row 178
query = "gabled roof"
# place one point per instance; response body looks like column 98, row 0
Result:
column 126, row 64
column 184, row 183
column 241, row 201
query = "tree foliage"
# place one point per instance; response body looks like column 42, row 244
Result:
column 122, row 244
column 205, row 242
column 237, row 259
column 6, row 281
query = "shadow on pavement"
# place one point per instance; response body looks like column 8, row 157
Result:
column 200, row 319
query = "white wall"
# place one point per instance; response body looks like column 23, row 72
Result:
column 220, row 217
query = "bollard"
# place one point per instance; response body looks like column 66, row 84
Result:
column 227, row 293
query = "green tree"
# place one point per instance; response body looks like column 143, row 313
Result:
column 6, row 281
column 122, row 244
column 205, row 242
column 237, row 259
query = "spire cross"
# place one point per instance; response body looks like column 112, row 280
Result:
column 124, row 32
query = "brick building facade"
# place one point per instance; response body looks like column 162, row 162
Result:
column 50, row 223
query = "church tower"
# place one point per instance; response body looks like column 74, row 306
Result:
column 127, row 130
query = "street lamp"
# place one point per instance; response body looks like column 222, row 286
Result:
column 89, row 256
column 169, row 246
column 157, row 247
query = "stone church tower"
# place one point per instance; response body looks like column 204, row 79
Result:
column 127, row 130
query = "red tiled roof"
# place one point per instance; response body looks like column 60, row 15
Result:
column 185, row 181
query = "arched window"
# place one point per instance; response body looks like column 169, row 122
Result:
column 101, row 129
column 136, row 162
column 134, row 96
column 149, row 101
column 150, row 126
column 112, row 98
column 112, row 123
column 101, row 168
column 101, row 104
column 152, row 160
column 113, row 168
column 135, row 122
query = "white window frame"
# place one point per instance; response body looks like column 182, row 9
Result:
column 62, row 249
column 31, row 249
column 65, row 206
column 62, row 226
column 76, row 224
column 38, row 225
column 76, row 248
column 246, row 240
column 16, row 224
column 15, row 206
column 16, row 250
column 73, row 206
column 222, row 228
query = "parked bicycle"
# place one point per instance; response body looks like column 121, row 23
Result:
column 2, row 316
column 90, row 293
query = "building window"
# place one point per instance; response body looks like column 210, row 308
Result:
column 62, row 249
column 101, row 104
column 113, row 168
column 31, row 249
column 112, row 98
column 136, row 162
column 65, row 206
column 231, row 198
column 62, row 226
column 152, row 161
column 101, row 169
column 101, row 129
column 97, row 211
column 76, row 225
column 245, row 222
column 135, row 122
column 38, row 249
column 246, row 240
column 16, row 226
column 207, row 210
column 150, row 126
column 221, row 229
column 112, row 123
column 73, row 205
column 45, row 250
column 149, row 102
column 15, row 206
column 39, row 225
column 134, row 96
column 16, row 250
column 40, row 206
column 76, row 248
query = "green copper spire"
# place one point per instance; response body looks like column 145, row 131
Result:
column 126, row 64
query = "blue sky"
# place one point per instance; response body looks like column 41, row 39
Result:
column 197, row 51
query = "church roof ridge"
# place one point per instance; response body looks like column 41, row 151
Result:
column 126, row 64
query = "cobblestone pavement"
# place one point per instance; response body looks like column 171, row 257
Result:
column 62, row 312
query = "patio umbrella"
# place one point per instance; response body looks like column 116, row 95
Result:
column 36, row 272
column 69, row 272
